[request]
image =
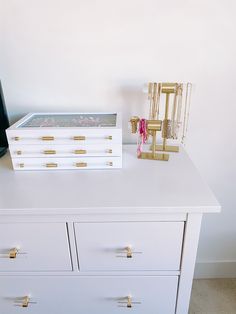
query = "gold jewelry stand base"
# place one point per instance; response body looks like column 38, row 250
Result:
column 168, row 148
column 164, row 157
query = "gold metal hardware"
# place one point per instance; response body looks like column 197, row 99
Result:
column 16, row 138
column 52, row 165
column 47, row 138
column 109, row 137
column 13, row 252
column 21, row 165
column 49, row 152
column 79, row 138
column 127, row 302
column 109, row 151
column 81, row 164
column 25, row 301
column 127, row 252
column 19, row 152
column 134, row 123
column 80, row 151
column 110, row 163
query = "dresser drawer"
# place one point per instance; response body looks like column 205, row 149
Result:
column 129, row 246
column 34, row 247
column 88, row 295
column 64, row 136
column 66, row 163
column 48, row 150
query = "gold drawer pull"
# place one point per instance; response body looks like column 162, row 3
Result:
column 127, row 252
column 19, row 152
column 21, row 165
column 79, row 138
column 47, row 138
column 110, row 163
column 80, row 151
column 16, row 138
column 81, row 164
column 128, row 302
column 23, row 301
column 49, row 152
column 109, row 151
column 51, row 165
column 109, row 137
column 13, row 252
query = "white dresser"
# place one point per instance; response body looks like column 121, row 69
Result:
column 101, row 242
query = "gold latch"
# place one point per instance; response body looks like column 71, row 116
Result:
column 51, row 165
column 80, row 151
column 81, row 164
column 47, row 138
column 49, row 152
column 79, row 138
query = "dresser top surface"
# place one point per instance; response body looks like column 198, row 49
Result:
column 140, row 186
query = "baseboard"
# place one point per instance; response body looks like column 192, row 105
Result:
column 215, row 269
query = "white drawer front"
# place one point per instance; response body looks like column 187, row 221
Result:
column 64, row 136
column 34, row 247
column 57, row 163
column 129, row 246
column 105, row 150
column 88, row 295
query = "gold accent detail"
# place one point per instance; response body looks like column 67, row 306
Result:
column 52, row 165
column 21, row 165
column 146, row 155
column 16, row 138
column 80, row 151
column 49, row 152
column 25, row 301
column 168, row 148
column 129, row 252
column 19, row 152
column 79, row 138
column 109, row 151
column 134, row 124
column 47, row 138
column 13, row 252
column 81, row 164
column 127, row 302
column 109, row 137
column 110, row 163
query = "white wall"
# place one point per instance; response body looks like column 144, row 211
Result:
column 88, row 55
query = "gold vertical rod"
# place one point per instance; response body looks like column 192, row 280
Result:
column 154, row 136
column 166, row 116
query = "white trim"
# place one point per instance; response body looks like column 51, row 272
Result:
column 215, row 269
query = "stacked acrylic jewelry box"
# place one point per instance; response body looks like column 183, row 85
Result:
column 66, row 141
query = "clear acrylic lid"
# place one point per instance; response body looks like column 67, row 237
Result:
column 83, row 120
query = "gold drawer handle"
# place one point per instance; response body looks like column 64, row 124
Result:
column 13, row 252
column 23, row 301
column 21, row 165
column 19, row 152
column 81, row 164
column 109, row 151
column 47, row 138
column 80, row 151
column 110, row 163
column 128, row 302
column 79, row 138
column 16, row 138
column 49, row 152
column 51, row 165
column 109, row 137
column 127, row 252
